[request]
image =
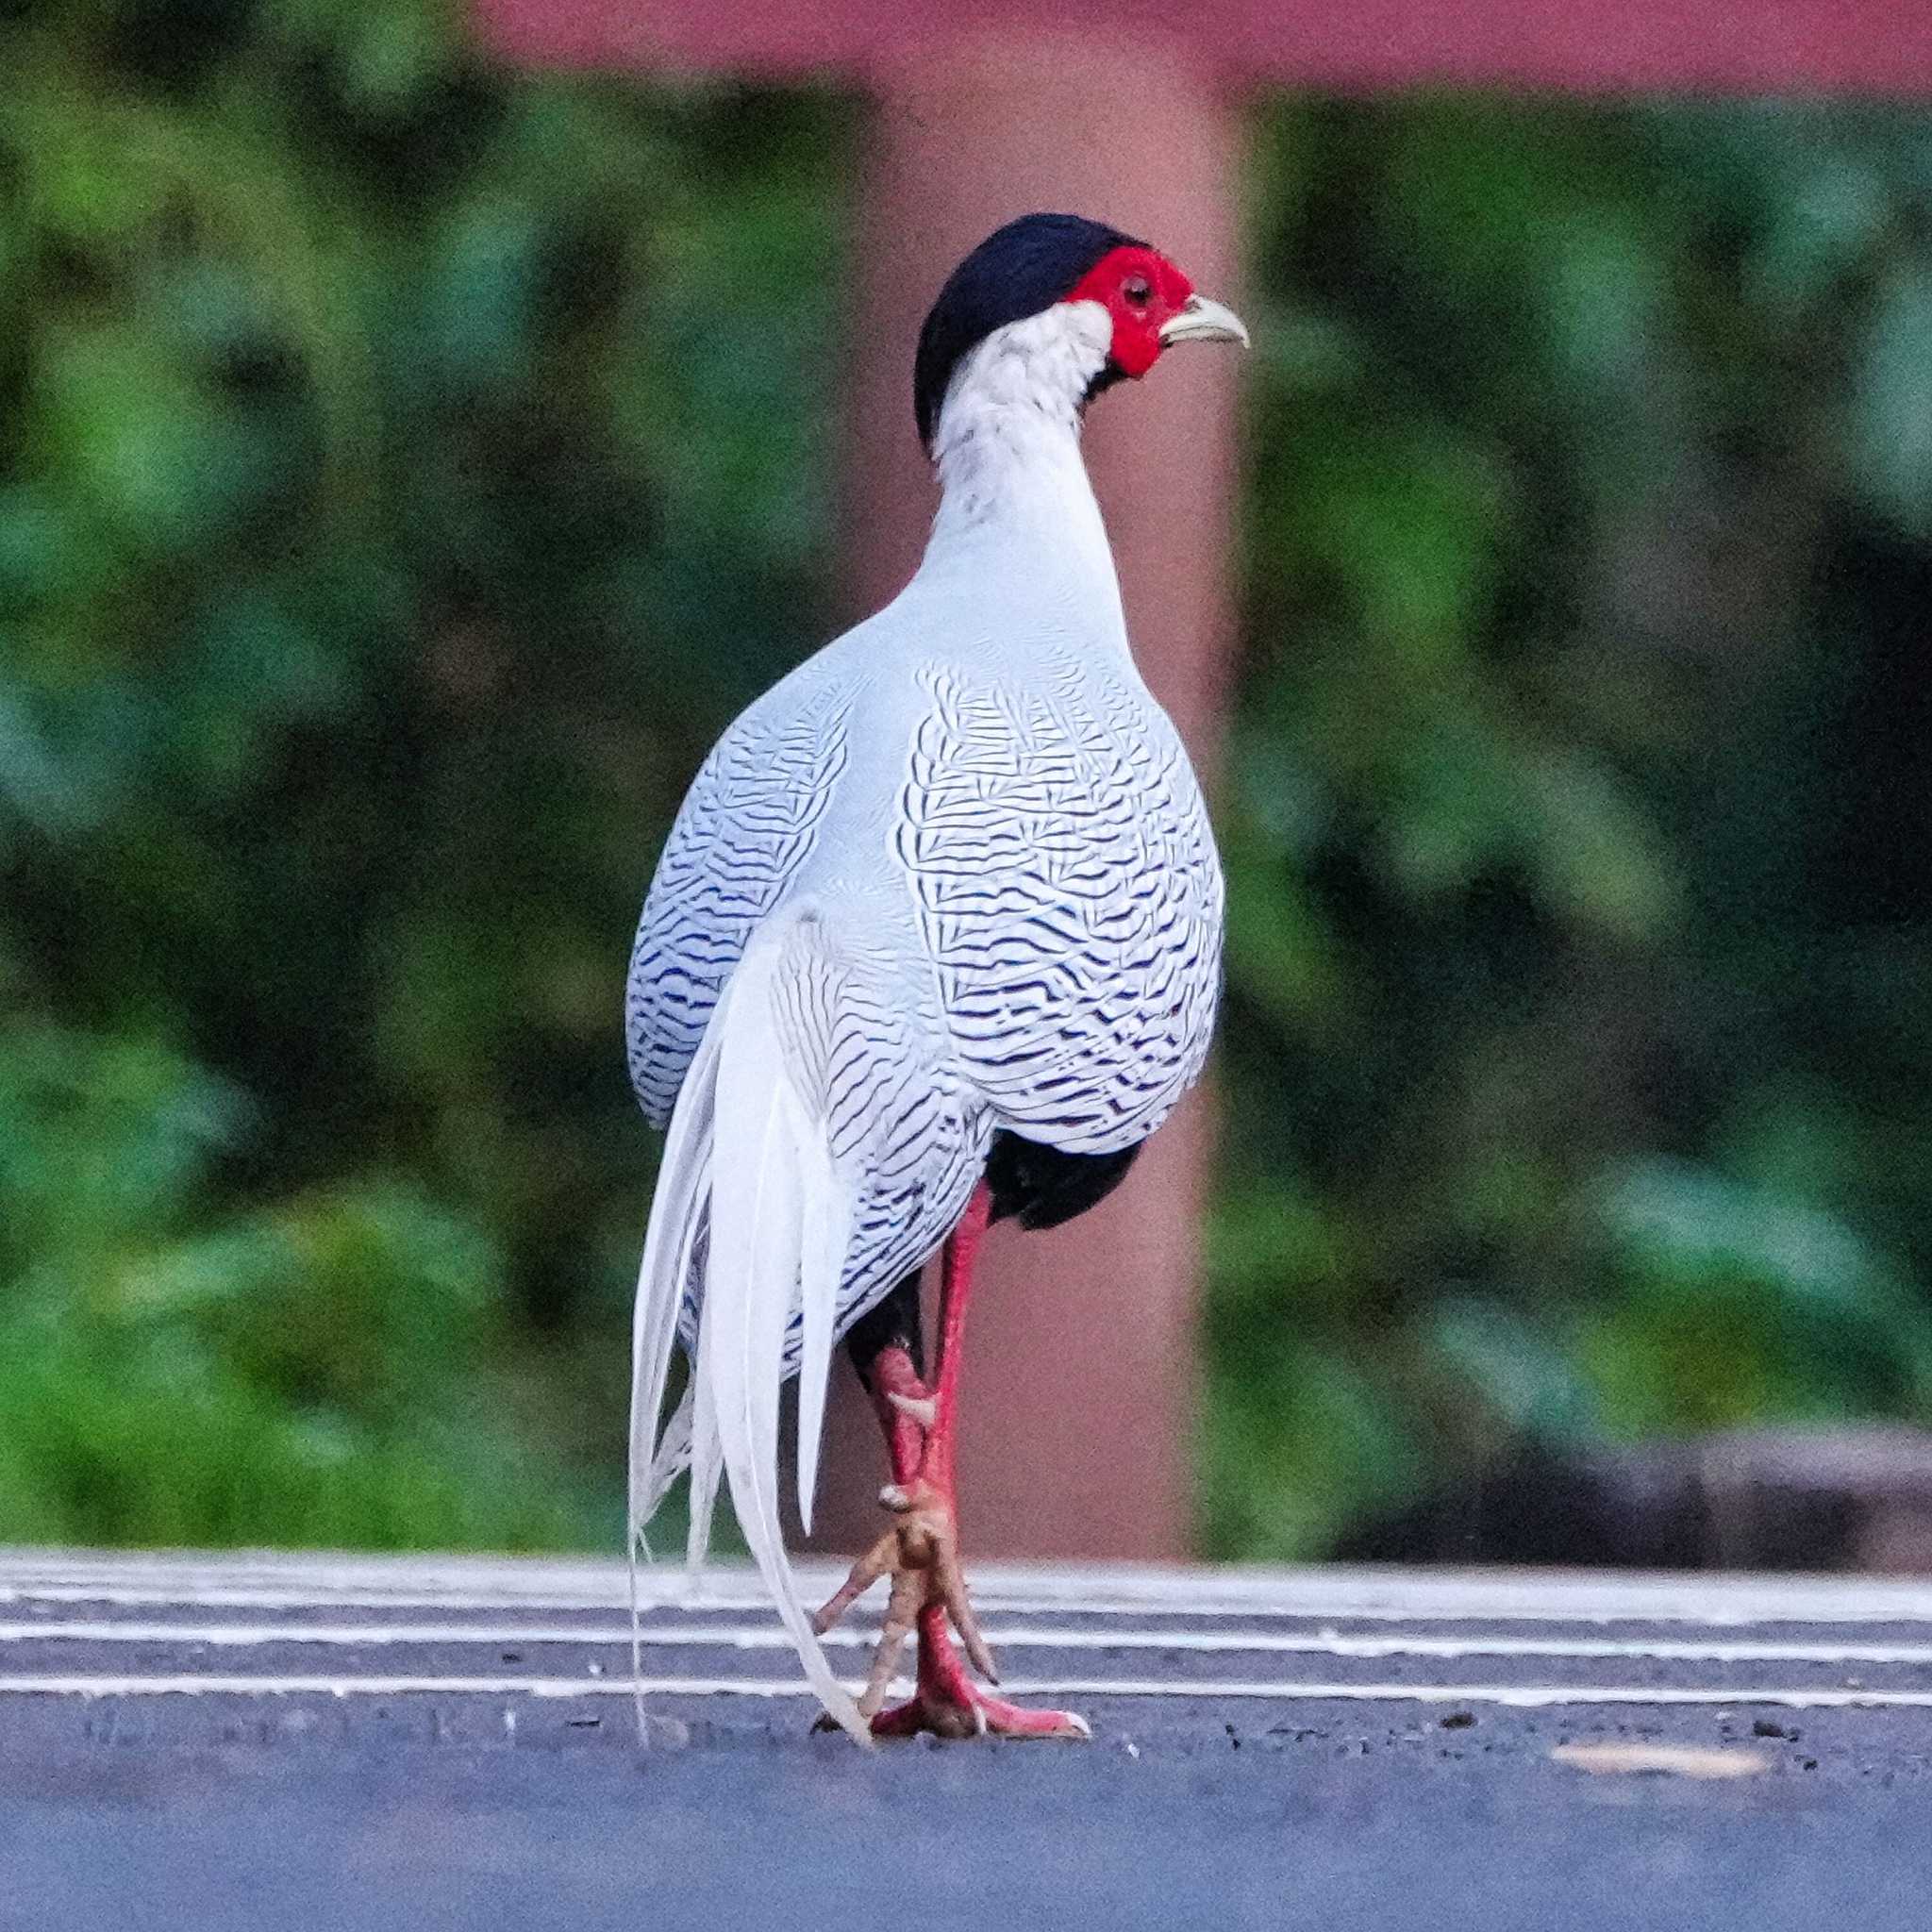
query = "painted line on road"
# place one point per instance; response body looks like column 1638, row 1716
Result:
column 763, row 1637
column 307, row 1582
column 1516, row 1696
column 731, row 1602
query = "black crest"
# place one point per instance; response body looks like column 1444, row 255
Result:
column 1016, row 271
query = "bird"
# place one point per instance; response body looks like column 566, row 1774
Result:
column 934, row 940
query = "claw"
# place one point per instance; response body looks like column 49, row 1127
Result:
column 921, row 1408
column 882, row 1556
column 952, row 1591
column 902, row 1616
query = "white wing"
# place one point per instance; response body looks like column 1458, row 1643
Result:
column 748, row 822
column 1071, row 895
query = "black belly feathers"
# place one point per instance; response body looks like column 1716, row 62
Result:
column 1040, row 1187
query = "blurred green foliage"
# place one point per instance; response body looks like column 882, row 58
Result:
column 1579, row 797
column 406, row 467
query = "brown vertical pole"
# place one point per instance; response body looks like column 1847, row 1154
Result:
column 1078, row 1414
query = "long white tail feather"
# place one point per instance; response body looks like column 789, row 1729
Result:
column 678, row 1211
column 748, row 1169
column 756, row 1249
column 824, row 1236
column 706, row 1468
column 670, row 1461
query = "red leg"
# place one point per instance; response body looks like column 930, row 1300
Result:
column 898, row 1398
column 922, row 1551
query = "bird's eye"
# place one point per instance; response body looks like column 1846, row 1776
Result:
column 1139, row 291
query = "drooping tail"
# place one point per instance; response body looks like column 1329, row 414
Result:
column 750, row 1195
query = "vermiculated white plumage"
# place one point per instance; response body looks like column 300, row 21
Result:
column 952, row 875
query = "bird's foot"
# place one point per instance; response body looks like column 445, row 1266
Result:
column 921, row 1555
column 948, row 1703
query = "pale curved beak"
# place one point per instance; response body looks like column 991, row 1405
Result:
column 1201, row 320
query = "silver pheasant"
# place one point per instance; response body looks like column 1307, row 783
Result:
column 947, row 895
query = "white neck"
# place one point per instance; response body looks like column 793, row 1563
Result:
column 1014, row 496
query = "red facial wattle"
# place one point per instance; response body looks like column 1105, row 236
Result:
column 1139, row 289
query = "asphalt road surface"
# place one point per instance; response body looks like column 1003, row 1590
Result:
column 267, row 1742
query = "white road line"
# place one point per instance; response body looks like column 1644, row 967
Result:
column 255, row 1581
column 1517, row 1696
column 721, row 1599
column 1718, row 1614
column 267, row 1597
column 771, row 1636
